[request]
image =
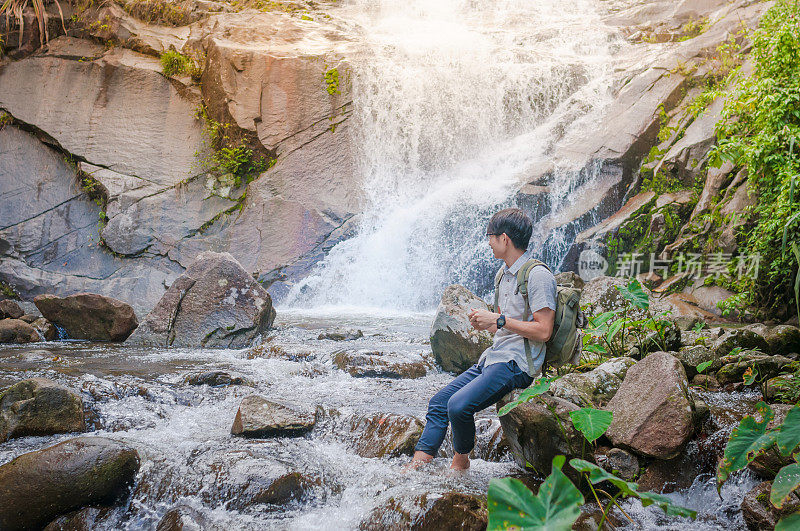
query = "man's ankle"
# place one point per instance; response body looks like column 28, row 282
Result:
column 460, row 461
column 422, row 456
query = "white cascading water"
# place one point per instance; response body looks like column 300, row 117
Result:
column 454, row 102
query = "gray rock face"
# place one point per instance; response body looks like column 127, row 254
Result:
column 215, row 303
column 17, row 331
column 594, row 388
column 723, row 340
column 455, row 344
column 39, row 407
column 653, row 413
column 259, row 417
column 89, row 316
column 781, row 339
column 38, row 486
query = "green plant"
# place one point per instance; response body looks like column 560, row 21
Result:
column 752, row 438
column 592, row 423
column 332, row 81
column 7, row 292
column 693, row 28
column 541, row 386
column 787, row 390
column 174, row 64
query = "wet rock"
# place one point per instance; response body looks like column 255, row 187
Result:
column 217, row 379
column 215, row 303
column 590, row 518
column 184, row 518
column 767, row 366
column 782, row 339
column 376, row 364
column 38, row 486
column 535, row 435
column 39, row 407
column 706, row 381
column 594, row 388
column 10, row 310
column 758, row 512
column 669, row 475
column 653, row 413
column 385, row 435
column 429, row 512
column 259, row 417
column 287, row 488
column 17, row 331
column 455, row 344
column 618, row 461
column 29, row 318
column 693, row 356
column 600, row 295
column 342, row 335
column 89, row 316
column 86, row 519
column 722, row 340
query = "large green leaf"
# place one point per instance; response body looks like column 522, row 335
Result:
column 601, row 319
column 789, row 523
column 513, row 506
column 788, row 437
column 703, row 366
column 666, row 505
column 747, row 440
column 634, row 293
column 785, row 482
column 614, row 328
column 592, row 423
column 540, row 387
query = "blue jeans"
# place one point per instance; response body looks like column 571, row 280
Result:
column 473, row 390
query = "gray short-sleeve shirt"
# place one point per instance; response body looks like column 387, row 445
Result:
column 542, row 293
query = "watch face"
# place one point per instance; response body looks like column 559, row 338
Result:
column 501, row 321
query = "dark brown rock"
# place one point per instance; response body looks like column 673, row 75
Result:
column 38, row 486
column 282, row 490
column 39, row 407
column 184, row 518
column 17, row 331
column 215, row 303
column 388, row 435
column 669, row 475
column 217, row 379
column 10, row 310
column 653, row 413
column 259, row 417
column 618, row 461
column 455, row 344
column 86, row 519
column 429, row 512
column 89, row 316
column 29, row 318
column 46, row 329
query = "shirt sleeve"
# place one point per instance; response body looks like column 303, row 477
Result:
column 541, row 289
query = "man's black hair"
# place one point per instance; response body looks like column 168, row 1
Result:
column 515, row 224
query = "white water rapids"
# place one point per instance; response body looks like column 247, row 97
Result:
column 455, row 101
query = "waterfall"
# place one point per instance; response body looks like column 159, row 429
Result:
column 455, row 102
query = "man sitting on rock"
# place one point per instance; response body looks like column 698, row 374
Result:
column 503, row 366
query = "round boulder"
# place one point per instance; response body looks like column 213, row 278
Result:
column 455, row 344
column 17, row 331
column 38, row 486
column 39, row 407
column 89, row 316
column 259, row 417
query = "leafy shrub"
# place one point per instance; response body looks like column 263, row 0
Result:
column 174, row 64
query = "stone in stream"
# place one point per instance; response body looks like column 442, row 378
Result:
column 766, row 365
column 46, row 329
column 17, row 331
column 723, row 340
column 758, row 512
column 620, row 462
column 341, row 335
column 185, row 518
column 669, row 475
column 490, row 443
column 781, row 339
column 429, row 512
column 39, row 407
column 86, row 519
column 10, row 310
column 455, row 344
column 215, row 303
column 376, row 364
column 36, row 487
column 594, row 388
column 387, row 435
column 259, row 417
column 653, row 412
column 217, row 379
column 89, row 316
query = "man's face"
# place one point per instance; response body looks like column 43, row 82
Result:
column 498, row 244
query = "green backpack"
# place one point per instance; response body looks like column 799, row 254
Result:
column 565, row 344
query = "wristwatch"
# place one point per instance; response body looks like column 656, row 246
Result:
column 501, row 321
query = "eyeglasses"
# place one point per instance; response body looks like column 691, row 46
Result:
column 494, row 233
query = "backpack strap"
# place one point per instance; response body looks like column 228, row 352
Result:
column 522, row 288
column 497, row 278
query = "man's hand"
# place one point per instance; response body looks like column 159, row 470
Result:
column 483, row 320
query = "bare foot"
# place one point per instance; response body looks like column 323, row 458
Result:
column 460, row 462
column 419, row 459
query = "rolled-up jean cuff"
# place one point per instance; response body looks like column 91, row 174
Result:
column 422, row 448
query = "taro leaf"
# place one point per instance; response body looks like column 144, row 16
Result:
column 540, row 387
column 598, row 475
column 595, row 349
column 592, row 423
column 703, row 366
column 789, row 523
column 747, row 440
column 615, row 328
column 789, row 434
column 750, row 375
column 603, row 318
column 785, row 482
column 512, row 505
column 666, row 505
column 634, row 294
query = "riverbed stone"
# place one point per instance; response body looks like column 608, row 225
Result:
column 429, row 512
column 17, row 331
column 767, row 366
column 385, row 435
column 86, row 519
column 377, row 364
column 653, row 412
column 276, row 492
column 758, row 512
column 39, row 407
column 693, row 356
column 217, row 379
column 723, row 340
column 618, row 461
column 185, row 518
column 596, row 387
column 342, row 335
column 46, row 329
column 455, row 344
column 89, row 316
column 260, row 417
column 10, row 310
column 215, row 303
column 38, row 486
column 782, row 339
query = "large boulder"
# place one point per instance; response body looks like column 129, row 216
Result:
column 89, row 316
column 734, row 367
column 653, row 413
column 782, row 339
column 215, row 303
column 38, row 486
column 594, row 388
column 455, row 344
column 723, row 340
column 384, row 435
column 39, row 407
column 17, row 331
column 259, row 417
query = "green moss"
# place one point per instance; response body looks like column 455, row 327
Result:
column 174, row 64
column 693, row 28
column 332, row 81
column 7, row 292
